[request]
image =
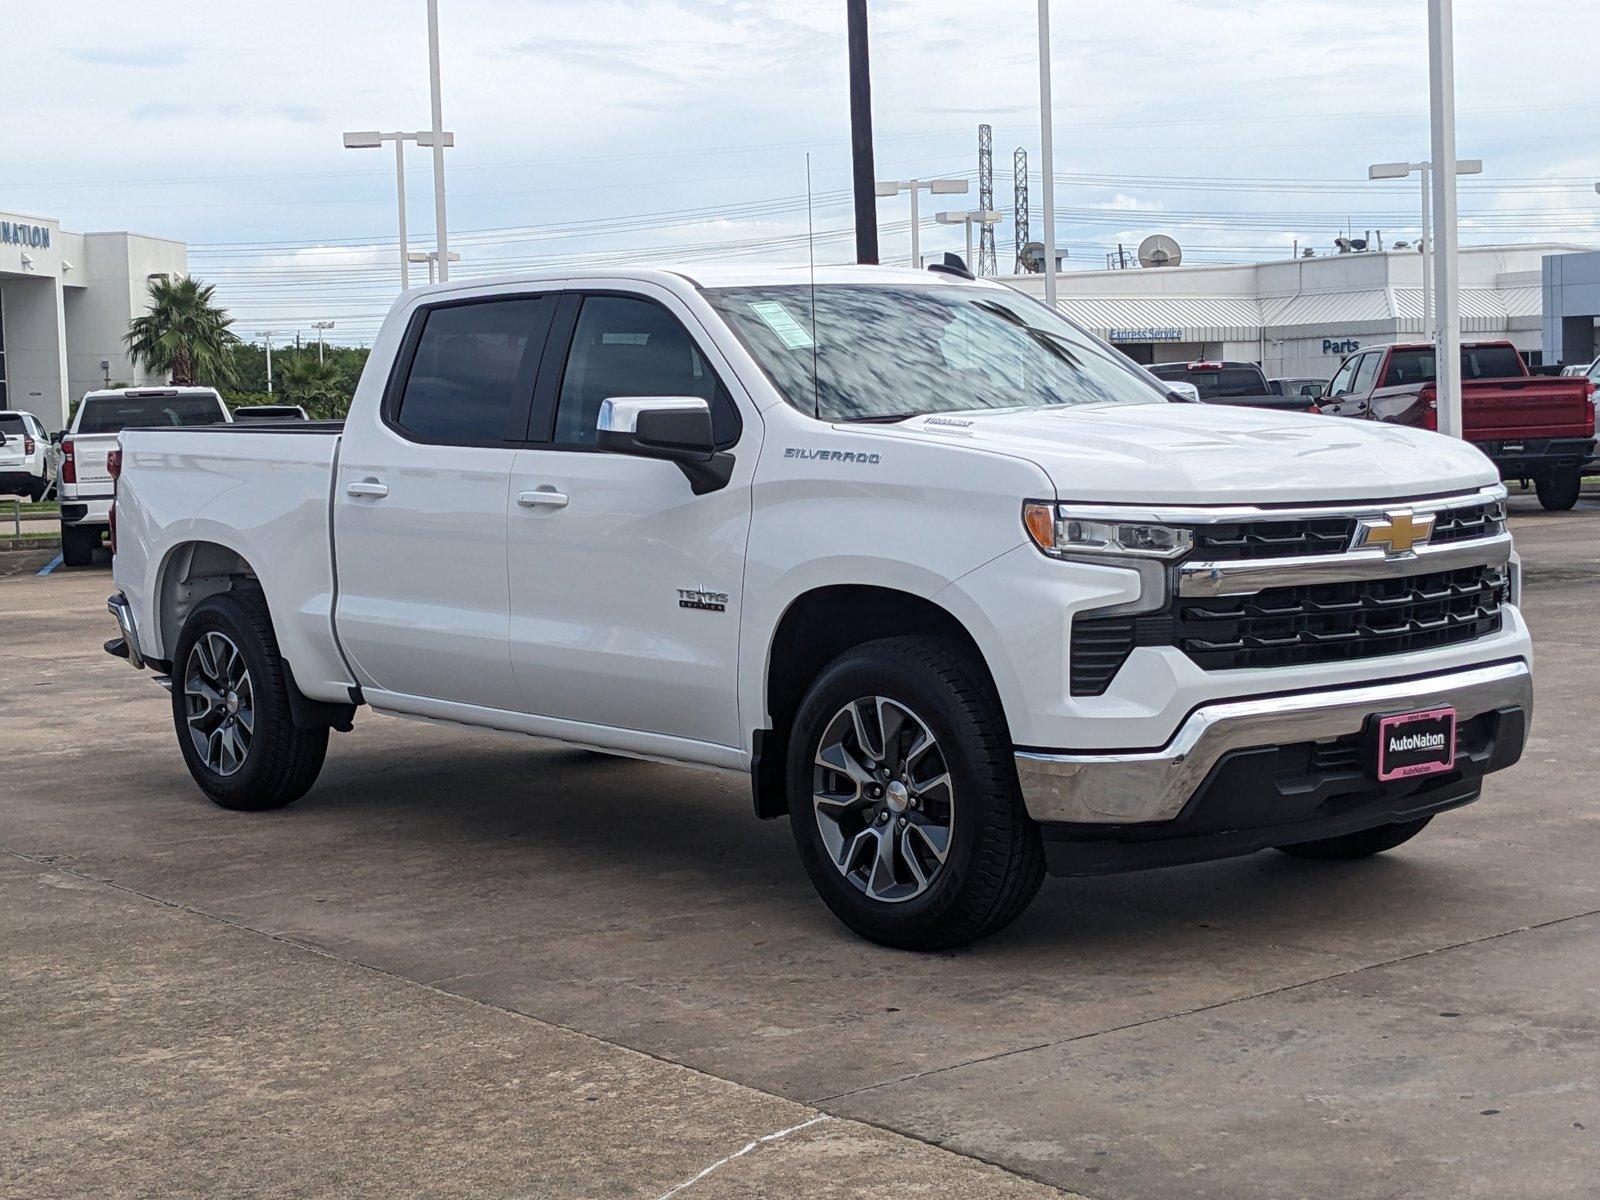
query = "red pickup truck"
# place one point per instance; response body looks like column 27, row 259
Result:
column 1538, row 428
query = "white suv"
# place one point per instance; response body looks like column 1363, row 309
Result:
column 27, row 459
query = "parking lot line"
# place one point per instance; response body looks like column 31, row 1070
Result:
column 50, row 566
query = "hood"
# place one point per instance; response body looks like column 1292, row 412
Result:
column 1213, row 454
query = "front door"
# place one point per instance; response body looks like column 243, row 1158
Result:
column 420, row 505
column 625, row 585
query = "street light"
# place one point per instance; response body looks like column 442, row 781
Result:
column 1047, row 147
column 441, row 233
column 938, row 187
column 431, row 258
column 371, row 140
column 1447, row 298
column 1424, row 172
column 268, row 334
column 981, row 217
column 320, row 326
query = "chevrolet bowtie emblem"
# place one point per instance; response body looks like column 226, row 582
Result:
column 1396, row 533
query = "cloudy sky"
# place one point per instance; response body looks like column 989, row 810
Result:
column 634, row 129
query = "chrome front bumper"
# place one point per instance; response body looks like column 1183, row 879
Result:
column 1154, row 785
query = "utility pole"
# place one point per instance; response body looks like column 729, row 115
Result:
column 1446, row 281
column 441, row 236
column 320, row 327
column 986, row 264
column 268, row 335
column 1047, row 137
column 863, row 174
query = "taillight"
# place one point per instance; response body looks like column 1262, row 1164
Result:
column 69, row 461
column 114, row 469
column 28, row 444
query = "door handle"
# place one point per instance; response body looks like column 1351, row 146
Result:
column 545, row 497
column 367, row 487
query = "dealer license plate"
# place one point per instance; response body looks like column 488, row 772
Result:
column 1416, row 743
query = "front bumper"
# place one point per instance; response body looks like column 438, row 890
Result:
column 1146, row 786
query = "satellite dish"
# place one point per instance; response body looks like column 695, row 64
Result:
column 1158, row 250
column 1033, row 257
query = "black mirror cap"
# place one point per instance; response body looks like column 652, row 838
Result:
column 682, row 436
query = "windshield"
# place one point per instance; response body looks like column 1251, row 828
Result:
column 113, row 414
column 884, row 353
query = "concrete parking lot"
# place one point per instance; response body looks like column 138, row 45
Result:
column 462, row 966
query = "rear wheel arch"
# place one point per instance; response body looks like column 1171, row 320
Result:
column 817, row 627
column 190, row 572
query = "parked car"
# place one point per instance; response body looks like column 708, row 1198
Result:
column 27, row 457
column 952, row 583
column 1306, row 389
column 1236, row 383
column 85, row 486
column 270, row 412
column 1537, row 428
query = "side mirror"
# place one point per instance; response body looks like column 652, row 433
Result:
column 55, row 438
column 675, row 429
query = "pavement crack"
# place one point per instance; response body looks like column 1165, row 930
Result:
column 748, row 1148
column 1197, row 1009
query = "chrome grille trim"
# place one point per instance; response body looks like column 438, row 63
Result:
column 1242, row 577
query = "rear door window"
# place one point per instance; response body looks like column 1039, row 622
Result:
column 470, row 377
column 113, row 414
column 1366, row 373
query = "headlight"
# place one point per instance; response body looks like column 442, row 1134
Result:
column 1062, row 533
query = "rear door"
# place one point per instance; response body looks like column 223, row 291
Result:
column 420, row 502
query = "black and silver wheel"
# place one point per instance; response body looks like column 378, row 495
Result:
column 903, row 797
column 230, row 706
column 1362, row 844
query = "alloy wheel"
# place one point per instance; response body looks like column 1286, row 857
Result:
column 883, row 799
column 220, row 702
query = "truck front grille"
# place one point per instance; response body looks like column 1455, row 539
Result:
column 1279, row 538
column 1289, row 626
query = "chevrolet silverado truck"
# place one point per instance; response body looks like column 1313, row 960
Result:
column 1532, row 427
column 83, row 484
column 958, row 589
column 1237, row 383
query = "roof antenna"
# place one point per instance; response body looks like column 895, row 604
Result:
column 811, row 254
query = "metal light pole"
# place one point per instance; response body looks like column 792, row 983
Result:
column 320, row 327
column 937, row 187
column 441, row 235
column 861, row 168
column 268, row 334
column 432, row 259
column 1424, row 172
column 1048, row 155
column 1446, row 279
column 981, row 217
column 370, row 139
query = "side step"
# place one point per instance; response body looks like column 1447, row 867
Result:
column 118, row 648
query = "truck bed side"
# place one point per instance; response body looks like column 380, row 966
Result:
column 198, row 507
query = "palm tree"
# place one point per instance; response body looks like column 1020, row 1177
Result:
column 185, row 334
column 314, row 386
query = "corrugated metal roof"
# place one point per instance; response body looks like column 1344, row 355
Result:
column 1328, row 308
column 1191, row 314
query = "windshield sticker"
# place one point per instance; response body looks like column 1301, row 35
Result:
column 781, row 321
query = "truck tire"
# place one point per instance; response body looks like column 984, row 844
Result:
column 1361, row 844
column 903, row 797
column 230, row 707
column 1557, row 493
column 78, row 544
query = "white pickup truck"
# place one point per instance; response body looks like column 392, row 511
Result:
column 958, row 588
column 84, row 484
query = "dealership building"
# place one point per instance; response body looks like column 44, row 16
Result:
column 1299, row 318
column 65, row 303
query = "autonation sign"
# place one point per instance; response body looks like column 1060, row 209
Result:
column 15, row 233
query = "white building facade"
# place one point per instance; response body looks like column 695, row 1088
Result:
column 1300, row 318
column 65, row 303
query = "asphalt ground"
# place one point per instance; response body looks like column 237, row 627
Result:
column 466, row 966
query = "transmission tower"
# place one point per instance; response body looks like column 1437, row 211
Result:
column 1019, row 166
column 986, row 262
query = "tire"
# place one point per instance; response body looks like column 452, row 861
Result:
column 37, row 492
column 279, row 761
column 78, row 544
column 1361, row 844
column 993, row 859
column 1558, row 493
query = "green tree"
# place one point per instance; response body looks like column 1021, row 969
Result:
column 314, row 386
column 185, row 334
